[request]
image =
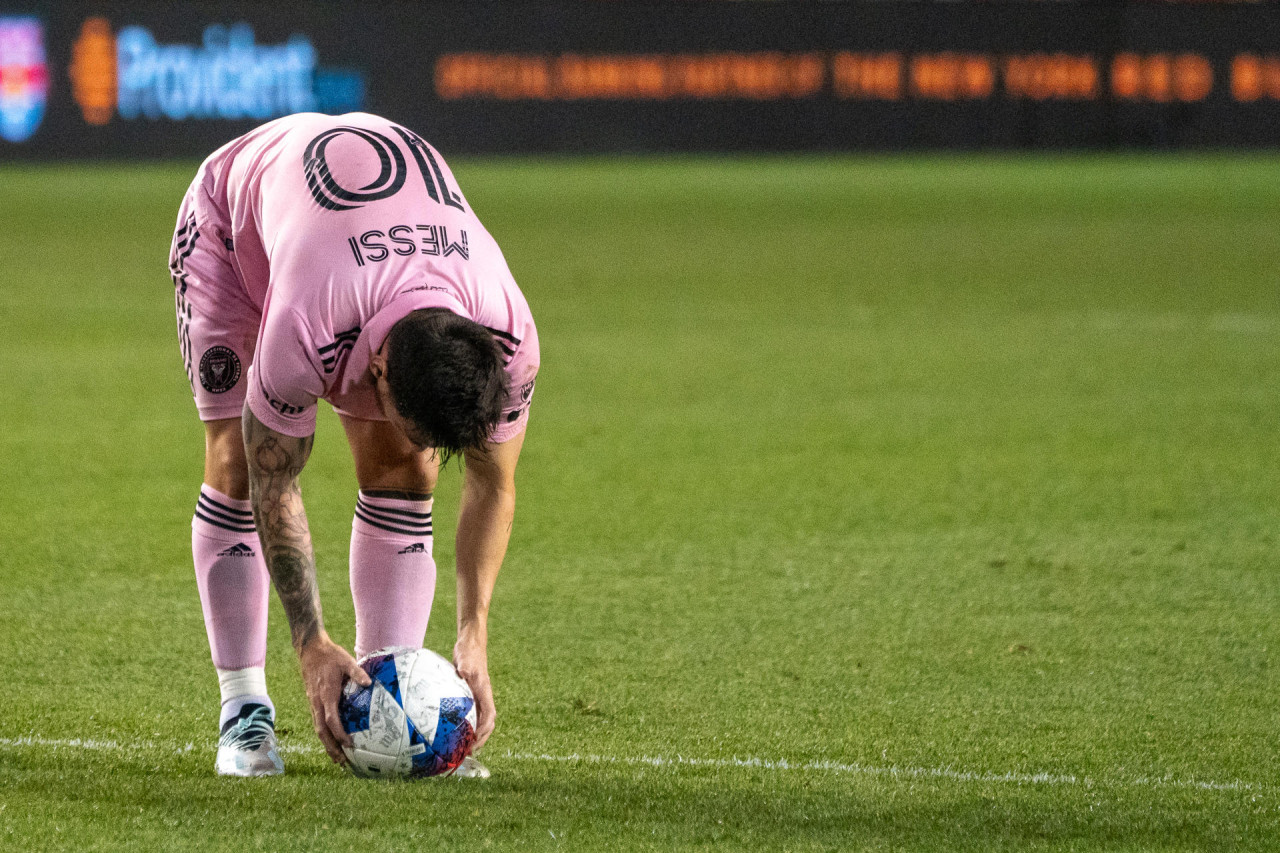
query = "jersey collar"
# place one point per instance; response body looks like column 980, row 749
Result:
column 379, row 326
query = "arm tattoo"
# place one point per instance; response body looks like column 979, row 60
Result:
column 275, row 461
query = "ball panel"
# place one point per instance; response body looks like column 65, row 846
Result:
column 383, row 670
column 455, row 733
column 354, row 707
column 370, row 765
column 385, row 737
column 387, row 731
column 420, row 698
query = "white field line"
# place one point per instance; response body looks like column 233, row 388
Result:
column 94, row 744
column 893, row 771
column 838, row 768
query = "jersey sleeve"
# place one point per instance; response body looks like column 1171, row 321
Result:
column 522, row 374
column 284, row 382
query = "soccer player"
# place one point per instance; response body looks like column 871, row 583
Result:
column 335, row 258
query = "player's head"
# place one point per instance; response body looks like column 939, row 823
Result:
column 440, row 379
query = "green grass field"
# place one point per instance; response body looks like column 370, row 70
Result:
column 867, row 504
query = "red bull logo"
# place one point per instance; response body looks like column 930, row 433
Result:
column 24, row 77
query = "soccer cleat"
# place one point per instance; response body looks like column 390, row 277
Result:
column 247, row 745
column 471, row 768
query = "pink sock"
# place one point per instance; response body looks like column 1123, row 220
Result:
column 393, row 576
column 232, row 578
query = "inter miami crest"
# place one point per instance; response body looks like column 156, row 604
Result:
column 219, row 369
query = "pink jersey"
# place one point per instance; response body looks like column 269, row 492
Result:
column 338, row 227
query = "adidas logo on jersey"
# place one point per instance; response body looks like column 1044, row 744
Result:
column 415, row 548
column 238, row 550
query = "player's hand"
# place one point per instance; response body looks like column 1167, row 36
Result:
column 471, row 658
column 325, row 666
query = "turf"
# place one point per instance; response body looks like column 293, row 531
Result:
column 950, row 482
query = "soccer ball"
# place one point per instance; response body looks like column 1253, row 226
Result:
column 417, row 718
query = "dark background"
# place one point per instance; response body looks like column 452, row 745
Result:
column 395, row 47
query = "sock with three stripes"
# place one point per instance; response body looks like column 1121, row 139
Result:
column 393, row 574
column 233, row 581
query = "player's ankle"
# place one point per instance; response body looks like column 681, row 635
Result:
column 241, row 687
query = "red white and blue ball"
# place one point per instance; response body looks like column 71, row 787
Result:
column 417, row 718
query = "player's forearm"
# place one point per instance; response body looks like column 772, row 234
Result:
column 484, row 528
column 286, row 546
column 275, row 461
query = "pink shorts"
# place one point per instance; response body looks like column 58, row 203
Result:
column 217, row 321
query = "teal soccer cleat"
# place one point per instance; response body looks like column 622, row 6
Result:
column 247, row 745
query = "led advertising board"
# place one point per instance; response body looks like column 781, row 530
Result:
column 179, row 79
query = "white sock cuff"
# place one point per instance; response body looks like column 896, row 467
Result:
column 234, row 683
column 382, row 516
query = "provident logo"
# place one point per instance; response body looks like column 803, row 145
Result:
column 24, row 77
column 228, row 75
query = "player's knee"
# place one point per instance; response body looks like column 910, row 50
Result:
column 230, row 465
column 411, row 473
column 406, row 473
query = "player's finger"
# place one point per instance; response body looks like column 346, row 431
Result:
column 486, row 718
column 326, row 737
column 334, row 723
column 330, row 745
column 357, row 674
column 484, row 708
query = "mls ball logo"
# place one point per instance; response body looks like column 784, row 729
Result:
column 24, row 77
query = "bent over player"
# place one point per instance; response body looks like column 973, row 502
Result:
column 334, row 258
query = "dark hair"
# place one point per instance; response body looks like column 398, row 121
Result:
column 446, row 377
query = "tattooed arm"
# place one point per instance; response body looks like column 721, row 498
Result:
column 275, row 461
